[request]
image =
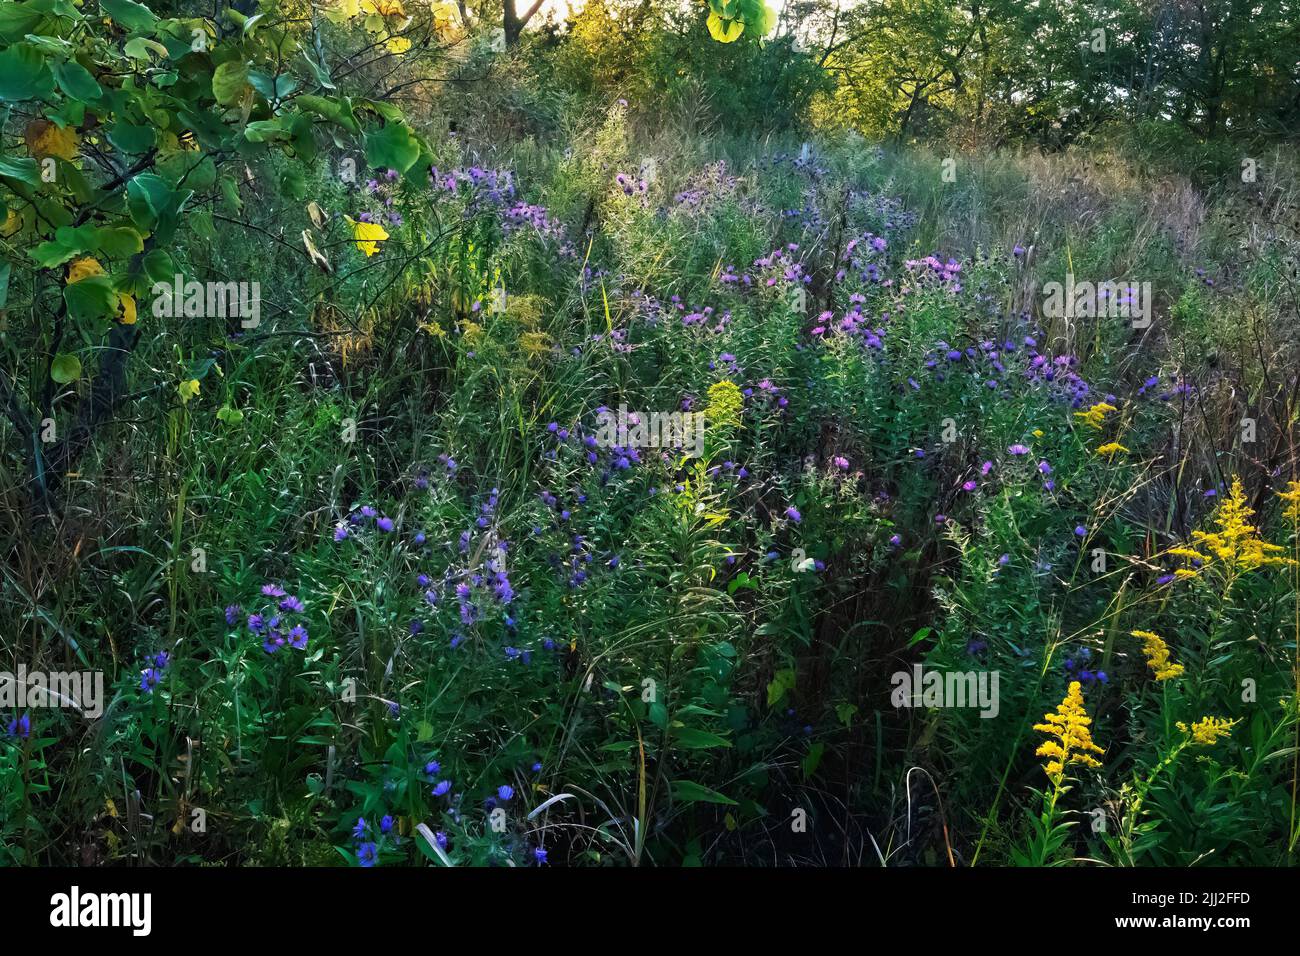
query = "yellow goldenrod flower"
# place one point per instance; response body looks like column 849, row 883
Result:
column 1292, row 498
column 1237, row 541
column 1095, row 417
column 1157, row 654
column 367, row 235
column 1072, row 743
column 1207, row 731
column 1191, row 553
column 725, row 403
column 1110, row 449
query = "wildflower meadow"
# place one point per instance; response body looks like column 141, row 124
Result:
column 649, row 434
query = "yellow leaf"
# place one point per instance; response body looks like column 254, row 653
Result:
column 128, row 315
column 13, row 222
column 724, row 31
column 367, row 236
column 48, row 139
column 384, row 8
column 188, row 389
column 397, row 44
column 84, row 268
column 341, row 11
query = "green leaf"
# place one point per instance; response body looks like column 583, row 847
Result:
column 393, row 147
column 134, row 16
column 142, row 48
column 336, row 111
column 20, row 168
column 691, row 738
column 158, row 266
column 5, row 269
column 130, row 138
column 845, row 713
column 75, row 80
column 273, row 89
column 658, row 715
column 812, row 760
column 263, row 131
column 233, row 416
column 89, row 299
column 687, row 791
column 118, row 242
column 24, row 74
column 65, row 368
column 229, row 81
column 154, row 205
column 920, row 635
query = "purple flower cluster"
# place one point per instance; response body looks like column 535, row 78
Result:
column 280, row 622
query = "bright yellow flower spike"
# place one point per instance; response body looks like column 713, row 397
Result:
column 1095, row 417
column 725, row 403
column 1111, row 449
column 1207, row 731
column 1157, row 654
column 1237, row 542
column 1292, row 498
column 1072, row 743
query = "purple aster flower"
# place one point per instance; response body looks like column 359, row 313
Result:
column 20, row 727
